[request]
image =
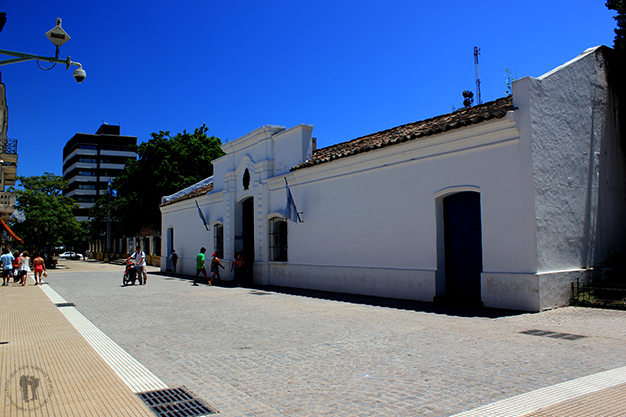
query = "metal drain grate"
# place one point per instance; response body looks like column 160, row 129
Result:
column 554, row 335
column 65, row 305
column 176, row 402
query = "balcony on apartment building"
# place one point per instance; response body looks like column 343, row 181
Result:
column 8, row 147
column 8, row 173
column 7, row 205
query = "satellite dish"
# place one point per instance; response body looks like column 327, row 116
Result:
column 469, row 98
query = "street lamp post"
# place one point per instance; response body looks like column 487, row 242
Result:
column 41, row 234
column 108, row 259
column 58, row 37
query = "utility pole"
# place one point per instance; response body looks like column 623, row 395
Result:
column 109, row 193
column 476, row 53
column 108, row 259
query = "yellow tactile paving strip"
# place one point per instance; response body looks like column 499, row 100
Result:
column 47, row 355
column 610, row 402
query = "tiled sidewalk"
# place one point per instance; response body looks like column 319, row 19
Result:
column 48, row 369
column 610, row 402
column 599, row 395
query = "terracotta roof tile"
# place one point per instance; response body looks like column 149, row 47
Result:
column 194, row 193
column 464, row 117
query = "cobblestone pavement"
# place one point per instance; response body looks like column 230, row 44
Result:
column 253, row 352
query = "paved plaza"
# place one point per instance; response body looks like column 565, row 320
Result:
column 272, row 352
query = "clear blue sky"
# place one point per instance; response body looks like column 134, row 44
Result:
column 348, row 67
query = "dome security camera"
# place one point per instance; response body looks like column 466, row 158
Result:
column 80, row 75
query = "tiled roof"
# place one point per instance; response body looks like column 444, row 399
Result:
column 464, row 117
column 194, row 193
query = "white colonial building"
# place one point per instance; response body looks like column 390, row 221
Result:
column 504, row 203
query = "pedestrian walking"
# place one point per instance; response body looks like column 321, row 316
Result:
column 174, row 259
column 238, row 266
column 140, row 260
column 200, row 267
column 24, row 267
column 7, row 266
column 16, row 266
column 40, row 267
column 215, row 268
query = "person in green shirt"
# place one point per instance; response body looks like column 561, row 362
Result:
column 200, row 266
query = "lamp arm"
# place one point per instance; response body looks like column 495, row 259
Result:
column 22, row 57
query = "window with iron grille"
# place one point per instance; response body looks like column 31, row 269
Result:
column 278, row 239
column 218, row 240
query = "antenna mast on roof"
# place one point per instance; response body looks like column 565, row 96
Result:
column 476, row 53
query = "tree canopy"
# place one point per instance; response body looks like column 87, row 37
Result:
column 619, row 44
column 49, row 217
column 165, row 164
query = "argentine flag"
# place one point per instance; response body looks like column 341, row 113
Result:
column 291, row 211
column 202, row 216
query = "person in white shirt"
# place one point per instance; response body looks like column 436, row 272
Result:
column 140, row 259
column 24, row 267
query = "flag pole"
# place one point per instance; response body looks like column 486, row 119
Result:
column 294, row 204
column 206, row 226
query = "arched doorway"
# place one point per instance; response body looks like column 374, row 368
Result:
column 170, row 246
column 247, row 238
column 463, row 247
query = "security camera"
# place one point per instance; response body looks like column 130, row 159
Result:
column 80, row 75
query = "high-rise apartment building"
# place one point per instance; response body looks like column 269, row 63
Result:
column 90, row 161
column 8, row 170
column 8, row 159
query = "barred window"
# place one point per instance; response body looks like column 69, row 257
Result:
column 218, row 240
column 278, row 239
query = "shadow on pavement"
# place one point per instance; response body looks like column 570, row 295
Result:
column 436, row 308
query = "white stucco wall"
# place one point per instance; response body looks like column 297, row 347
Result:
column 570, row 123
column 378, row 208
column 370, row 221
column 189, row 234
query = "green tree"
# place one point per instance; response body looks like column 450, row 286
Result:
column 509, row 82
column 49, row 216
column 619, row 44
column 618, row 67
column 165, row 164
